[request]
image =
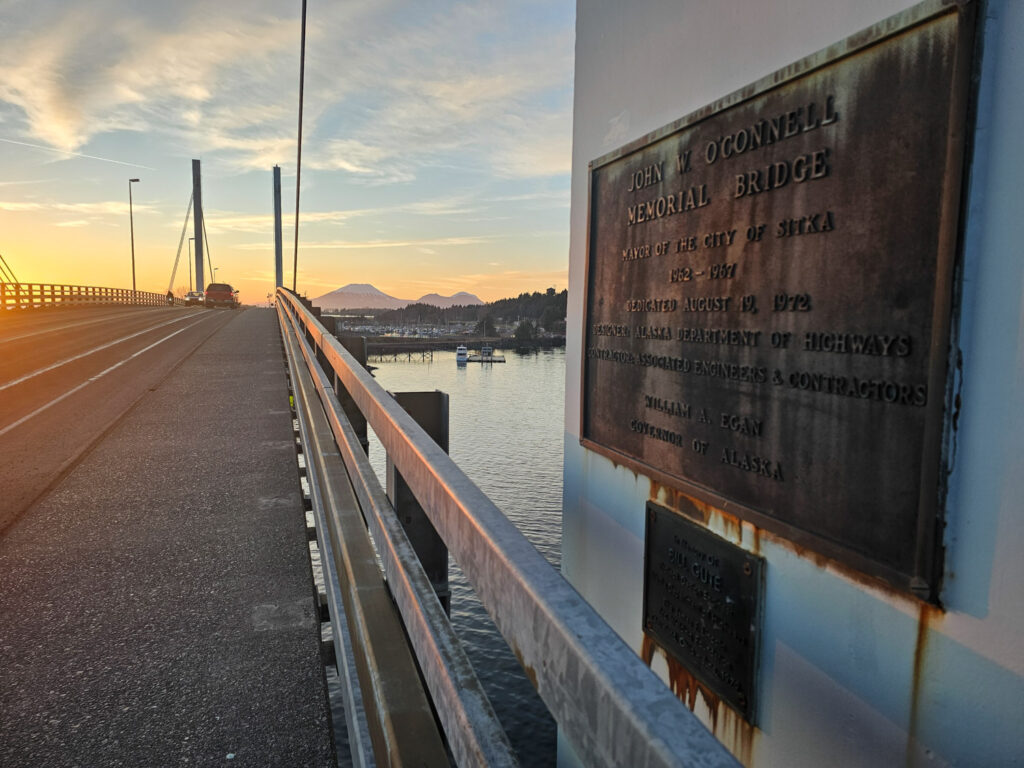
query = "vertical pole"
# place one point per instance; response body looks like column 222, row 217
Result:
column 278, row 244
column 430, row 410
column 197, row 211
column 131, row 225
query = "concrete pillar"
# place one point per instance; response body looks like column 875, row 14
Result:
column 197, row 216
column 430, row 410
column 278, row 248
column 356, row 345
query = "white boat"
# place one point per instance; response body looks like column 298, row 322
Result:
column 461, row 353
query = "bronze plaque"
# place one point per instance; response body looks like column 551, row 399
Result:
column 702, row 603
column 769, row 292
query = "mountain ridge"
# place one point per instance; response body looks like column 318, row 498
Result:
column 366, row 296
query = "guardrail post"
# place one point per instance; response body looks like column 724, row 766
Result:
column 430, row 410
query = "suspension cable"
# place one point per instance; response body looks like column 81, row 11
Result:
column 209, row 259
column 181, row 240
column 298, row 160
column 6, row 270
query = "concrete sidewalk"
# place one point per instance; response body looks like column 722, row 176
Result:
column 156, row 607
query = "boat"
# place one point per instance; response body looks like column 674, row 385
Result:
column 461, row 354
column 486, row 356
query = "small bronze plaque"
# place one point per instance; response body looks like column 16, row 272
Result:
column 702, row 604
column 769, row 293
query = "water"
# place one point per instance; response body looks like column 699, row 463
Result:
column 505, row 432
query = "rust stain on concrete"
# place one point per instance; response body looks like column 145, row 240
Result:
column 927, row 615
column 727, row 725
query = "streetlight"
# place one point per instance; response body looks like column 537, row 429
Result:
column 131, row 222
column 190, row 264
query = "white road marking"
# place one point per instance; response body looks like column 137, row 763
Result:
column 91, row 379
column 55, row 329
column 101, row 347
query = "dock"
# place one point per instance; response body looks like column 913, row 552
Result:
column 485, row 358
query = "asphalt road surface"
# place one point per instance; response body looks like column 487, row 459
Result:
column 156, row 602
column 68, row 375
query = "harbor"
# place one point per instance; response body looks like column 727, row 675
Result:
column 382, row 348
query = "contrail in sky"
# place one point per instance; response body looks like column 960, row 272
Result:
column 75, row 154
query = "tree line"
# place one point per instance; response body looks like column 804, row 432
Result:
column 537, row 311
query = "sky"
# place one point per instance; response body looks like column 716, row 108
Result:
column 435, row 154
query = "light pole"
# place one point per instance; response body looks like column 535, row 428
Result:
column 190, row 264
column 131, row 223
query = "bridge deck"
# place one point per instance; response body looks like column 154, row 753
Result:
column 155, row 601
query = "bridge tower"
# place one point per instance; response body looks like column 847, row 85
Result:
column 197, row 212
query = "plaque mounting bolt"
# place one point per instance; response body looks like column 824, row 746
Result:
column 747, row 569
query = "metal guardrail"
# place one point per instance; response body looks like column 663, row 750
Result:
column 474, row 734
column 386, row 710
column 607, row 702
column 34, row 295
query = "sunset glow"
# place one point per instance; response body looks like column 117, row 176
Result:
column 436, row 143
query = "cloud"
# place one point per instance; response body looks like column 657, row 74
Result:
column 457, row 88
column 108, row 208
column 77, row 72
column 456, row 205
column 511, row 275
column 507, row 282
column 229, row 221
column 560, row 196
column 424, row 122
column 103, row 208
column 18, row 207
column 359, row 244
column 389, row 91
column 22, row 182
column 221, row 221
column 372, row 162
